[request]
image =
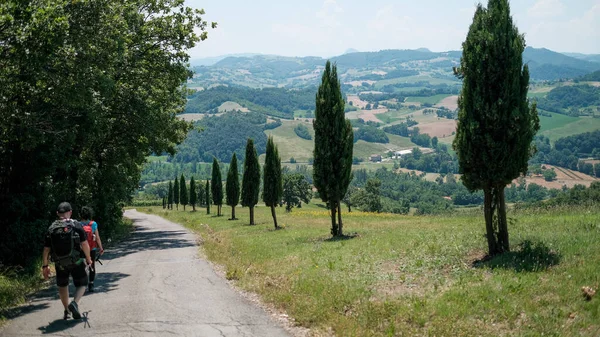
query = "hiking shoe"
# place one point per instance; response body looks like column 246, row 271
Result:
column 74, row 309
column 91, row 287
column 66, row 314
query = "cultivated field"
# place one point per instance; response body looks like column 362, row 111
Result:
column 563, row 177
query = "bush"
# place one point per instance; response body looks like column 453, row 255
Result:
column 302, row 131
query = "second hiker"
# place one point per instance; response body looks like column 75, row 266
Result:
column 93, row 238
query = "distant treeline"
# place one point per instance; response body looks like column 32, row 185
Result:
column 575, row 100
column 277, row 102
column 568, row 152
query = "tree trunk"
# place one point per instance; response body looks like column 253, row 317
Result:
column 251, row 215
column 207, row 208
column 503, row 243
column 184, row 208
column 334, row 227
column 274, row 215
column 489, row 218
column 340, row 224
column 349, row 209
column 193, row 207
column 233, row 213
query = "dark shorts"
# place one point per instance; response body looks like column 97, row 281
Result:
column 80, row 277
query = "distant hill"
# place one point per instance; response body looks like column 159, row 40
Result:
column 545, row 64
column 586, row 57
column 209, row 61
column 394, row 66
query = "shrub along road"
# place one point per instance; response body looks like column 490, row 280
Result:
column 153, row 284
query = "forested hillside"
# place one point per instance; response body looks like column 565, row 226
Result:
column 221, row 136
column 270, row 101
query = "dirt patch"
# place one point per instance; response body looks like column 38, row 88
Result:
column 450, row 102
column 359, row 83
column 357, row 102
column 369, row 115
column 441, row 129
column 563, row 177
column 191, row 117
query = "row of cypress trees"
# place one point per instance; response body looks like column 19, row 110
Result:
column 249, row 193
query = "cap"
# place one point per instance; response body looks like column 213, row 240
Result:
column 64, row 207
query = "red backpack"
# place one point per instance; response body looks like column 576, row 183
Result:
column 90, row 235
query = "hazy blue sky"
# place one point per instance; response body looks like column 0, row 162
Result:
column 329, row 27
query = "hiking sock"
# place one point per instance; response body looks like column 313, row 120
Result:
column 74, row 309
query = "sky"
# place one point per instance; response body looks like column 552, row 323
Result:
column 328, row 28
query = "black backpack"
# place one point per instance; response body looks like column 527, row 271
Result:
column 64, row 244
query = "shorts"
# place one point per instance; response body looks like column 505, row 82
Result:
column 80, row 277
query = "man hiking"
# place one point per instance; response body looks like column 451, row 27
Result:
column 66, row 243
column 93, row 238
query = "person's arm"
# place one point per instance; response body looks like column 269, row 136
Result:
column 99, row 242
column 86, row 250
column 45, row 266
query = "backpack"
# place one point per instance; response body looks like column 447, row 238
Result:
column 91, row 237
column 64, row 244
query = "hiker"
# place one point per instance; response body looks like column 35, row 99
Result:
column 67, row 244
column 93, row 238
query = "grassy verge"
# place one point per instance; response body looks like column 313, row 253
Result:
column 17, row 283
column 407, row 275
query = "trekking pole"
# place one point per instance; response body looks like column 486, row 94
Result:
column 98, row 260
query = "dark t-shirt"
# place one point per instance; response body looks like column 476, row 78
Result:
column 78, row 231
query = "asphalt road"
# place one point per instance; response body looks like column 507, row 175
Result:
column 154, row 284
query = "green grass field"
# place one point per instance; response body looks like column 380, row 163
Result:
column 412, row 276
column 428, row 99
column 289, row 144
column 564, row 126
column 151, row 159
column 557, row 121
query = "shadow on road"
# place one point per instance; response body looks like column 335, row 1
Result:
column 146, row 239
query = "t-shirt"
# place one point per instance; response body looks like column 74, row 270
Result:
column 78, row 231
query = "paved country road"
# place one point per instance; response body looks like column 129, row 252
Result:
column 153, row 284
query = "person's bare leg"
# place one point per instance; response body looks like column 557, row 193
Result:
column 63, row 293
column 79, row 293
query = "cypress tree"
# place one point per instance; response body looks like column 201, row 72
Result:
column 207, row 196
column 164, row 202
column 251, row 179
column 193, row 194
column 334, row 142
column 272, row 180
column 496, row 123
column 170, row 197
column 176, row 193
column 183, row 194
column 217, row 186
column 233, row 186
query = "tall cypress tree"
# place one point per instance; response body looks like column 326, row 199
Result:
column 183, row 194
column 176, row 192
column 233, row 186
column 207, row 196
column 496, row 123
column 170, row 196
column 251, row 179
column 193, row 194
column 217, row 186
column 272, row 180
column 333, row 145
